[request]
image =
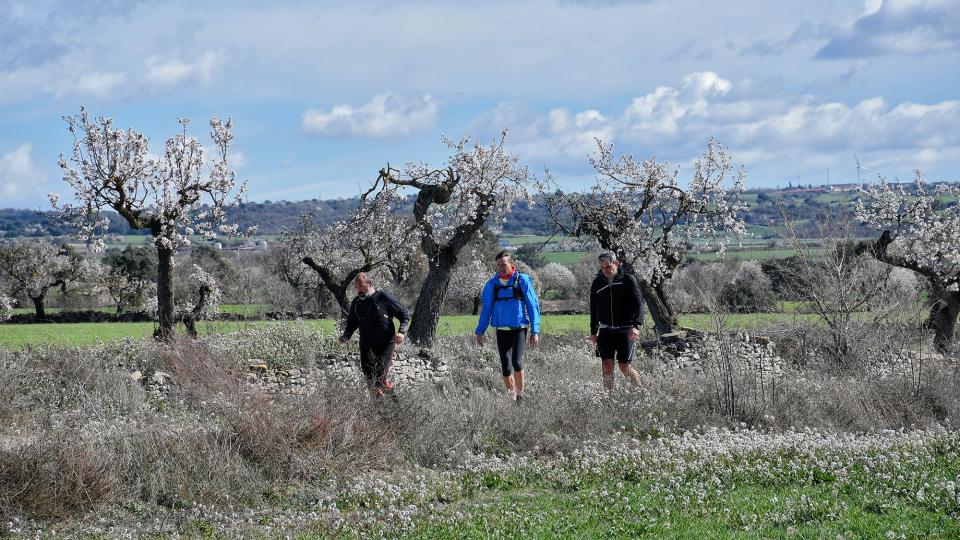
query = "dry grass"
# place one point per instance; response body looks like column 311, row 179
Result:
column 77, row 433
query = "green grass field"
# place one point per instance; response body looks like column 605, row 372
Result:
column 565, row 257
column 779, row 485
column 245, row 309
column 753, row 506
column 527, row 239
column 18, row 336
column 747, row 254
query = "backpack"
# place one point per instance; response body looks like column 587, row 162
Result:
column 517, row 291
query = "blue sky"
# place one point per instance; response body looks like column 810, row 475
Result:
column 323, row 94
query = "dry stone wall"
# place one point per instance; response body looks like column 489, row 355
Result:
column 699, row 352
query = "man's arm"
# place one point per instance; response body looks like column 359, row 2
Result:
column 486, row 298
column 531, row 302
column 594, row 321
column 397, row 310
column 637, row 316
column 352, row 323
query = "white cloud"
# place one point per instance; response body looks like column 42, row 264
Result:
column 899, row 27
column 174, row 71
column 101, row 85
column 385, row 116
column 18, row 174
column 675, row 123
column 237, row 159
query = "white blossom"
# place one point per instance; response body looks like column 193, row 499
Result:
column 32, row 267
column 6, row 307
column 112, row 169
column 640, row 210
column 923, row 230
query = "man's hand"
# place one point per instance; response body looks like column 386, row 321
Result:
column 534, row 340
column 593, row 339
column 634, row 334
column 480, row 340
column 398, row 338
column 342, row 339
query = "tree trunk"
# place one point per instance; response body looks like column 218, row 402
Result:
column 337, row 289
column 943, row 320
column 302, row 296
column 340, row 295
column 165, row 330
column 477, row 301
column 664, row 319
column 38, row 306
column 321, row 301
column 426, row 314
column 655, row 296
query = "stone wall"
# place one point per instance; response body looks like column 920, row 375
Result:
column 411, row 368
column 700, row 352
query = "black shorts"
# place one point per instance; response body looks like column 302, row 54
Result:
column 510, row 345
column 375, row 362
column 615, row 343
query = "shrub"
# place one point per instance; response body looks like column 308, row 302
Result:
column 750, row 291
column 286, row 344
column 560, row 279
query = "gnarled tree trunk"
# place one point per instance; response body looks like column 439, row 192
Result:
column 946, row 304
column 426, row 314
column 38, row 306
column 655, row 296
column 943, row 320
column 664, row 318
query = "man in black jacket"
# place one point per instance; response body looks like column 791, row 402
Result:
column 616, row 314
column 372, row 312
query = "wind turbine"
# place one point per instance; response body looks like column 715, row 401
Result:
column 859, row 167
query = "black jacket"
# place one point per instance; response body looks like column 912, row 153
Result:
column 616, row 303
column 373, row 316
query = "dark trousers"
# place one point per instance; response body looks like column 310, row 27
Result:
column 511, row 344
column 375, row 362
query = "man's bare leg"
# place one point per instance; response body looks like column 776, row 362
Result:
column 518, row 382
column 628, row 372
column 511, row 390
column 607, row 372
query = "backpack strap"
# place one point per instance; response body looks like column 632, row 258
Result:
column 517, row 291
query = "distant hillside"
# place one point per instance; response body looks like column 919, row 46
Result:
column 806, row 206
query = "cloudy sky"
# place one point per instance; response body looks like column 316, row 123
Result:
column 323, row 94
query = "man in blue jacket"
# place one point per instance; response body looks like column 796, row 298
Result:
column 510, row 305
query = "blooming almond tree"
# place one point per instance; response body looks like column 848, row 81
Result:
column 198, row 297
column 374, row 236
column 285, row 261
column 466, row 283
column 174, row 196
column 641, row 212
column 557, row 278
column 126, row 291
column 201, row 299
column 6, row 307
column 478, row 183
column 33, row 267
column 920, row 233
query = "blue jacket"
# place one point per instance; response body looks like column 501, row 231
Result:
column 508, row 311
